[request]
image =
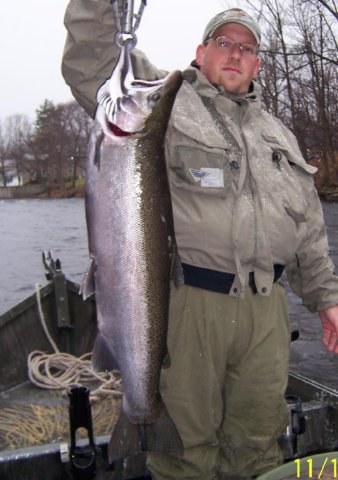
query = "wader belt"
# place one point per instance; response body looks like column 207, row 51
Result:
column 220, row 282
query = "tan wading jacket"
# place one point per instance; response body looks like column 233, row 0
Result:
column 239, row 206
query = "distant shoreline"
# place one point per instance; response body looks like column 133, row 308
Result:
column 40, row 191
column 329, row 194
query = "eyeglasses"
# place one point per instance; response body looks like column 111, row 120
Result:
column 246, row 49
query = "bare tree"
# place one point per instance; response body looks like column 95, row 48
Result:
column 2, row 157
column 327, row 13
column 299, row 72
column 49, row 144
column 318, row 83
column 17, row 132
column 53, row 150
column 77, row 125
column 59, row 142
column 330, row 5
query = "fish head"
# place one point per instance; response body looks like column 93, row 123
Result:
column 126, row 102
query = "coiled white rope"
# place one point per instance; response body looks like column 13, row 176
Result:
column 62, row 371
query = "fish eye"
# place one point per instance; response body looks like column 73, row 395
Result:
column 155, row 97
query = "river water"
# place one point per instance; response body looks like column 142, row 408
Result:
column 28, row 227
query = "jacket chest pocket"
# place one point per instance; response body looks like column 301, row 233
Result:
column 201, row 170
column 292, row 176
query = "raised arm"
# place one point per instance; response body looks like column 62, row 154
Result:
column 90, row 53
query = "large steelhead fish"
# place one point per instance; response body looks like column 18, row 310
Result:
column 133, row 252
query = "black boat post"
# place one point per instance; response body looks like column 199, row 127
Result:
column 54, row 274
column 82, row 458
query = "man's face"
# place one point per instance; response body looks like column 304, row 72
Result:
column 230, row 68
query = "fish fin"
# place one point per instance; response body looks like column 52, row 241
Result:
column 130, row 438
column 166, row 360
column 97, row 154
column 96, row 139
column 162, row 435
column 176, row 270
column 87, row 287
column 102, row 356
column 125, row 439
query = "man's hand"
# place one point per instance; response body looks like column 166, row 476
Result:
column 329, row 319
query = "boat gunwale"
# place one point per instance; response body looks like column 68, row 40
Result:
column 30, row 301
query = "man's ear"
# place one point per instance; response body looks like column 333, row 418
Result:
column 257, row 68
column 200, row 54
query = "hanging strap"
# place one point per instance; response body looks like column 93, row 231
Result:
column 234, row 150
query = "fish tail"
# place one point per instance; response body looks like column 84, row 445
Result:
column 133, row 438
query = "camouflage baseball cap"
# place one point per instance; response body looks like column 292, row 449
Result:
column 234, row 15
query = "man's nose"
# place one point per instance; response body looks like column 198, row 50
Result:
column 236, row 51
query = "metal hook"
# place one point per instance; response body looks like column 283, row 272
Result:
column 127, row 22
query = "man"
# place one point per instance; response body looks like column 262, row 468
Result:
column 244, row 208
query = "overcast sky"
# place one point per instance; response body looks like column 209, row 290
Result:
column 32, row 36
